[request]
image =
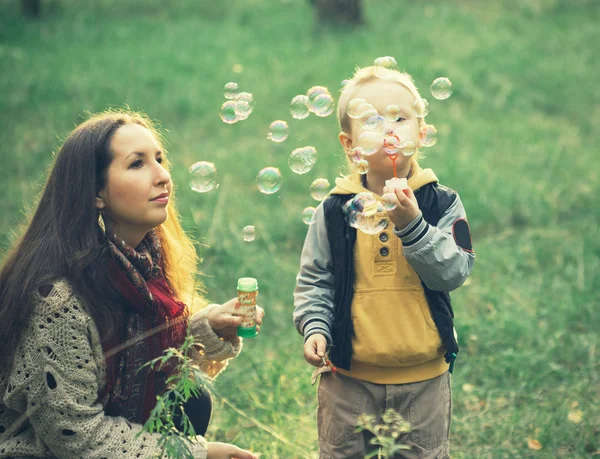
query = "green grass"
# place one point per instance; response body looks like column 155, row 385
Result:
column 518, row 140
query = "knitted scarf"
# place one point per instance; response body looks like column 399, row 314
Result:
column 153, row 320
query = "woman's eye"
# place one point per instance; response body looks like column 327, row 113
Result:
column 159, row 160
column 137, row 164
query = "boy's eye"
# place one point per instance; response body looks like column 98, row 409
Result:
column 400, row 118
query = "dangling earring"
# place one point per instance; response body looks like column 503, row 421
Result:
column 101, row 222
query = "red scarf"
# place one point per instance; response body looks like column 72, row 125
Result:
column 153, row 320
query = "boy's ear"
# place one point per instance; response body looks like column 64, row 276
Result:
column 346, row 142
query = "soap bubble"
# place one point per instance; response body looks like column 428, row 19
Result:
column 248, row 233
column 374, row 123
column 392, row 113
column 227, row 113
column 345, row 83
column 352, row 107
column 320, row 101
column 429, row 136
column 308, row 215
column 244, row 105
column 421, row 108
column 278, row 131
column 366, row 213
column 313, row 94
column 387, row 62
column 362, row 166
column 408, row 148
column 323, row 106
column 389, row 201
column 391, row 144
column 231, row 90
column 441, row 88
column 363, row 110
column 202, row 176
column 358, row 153
column 371, row 141
column 319, row 189
column 269, row 180
column 302, row 159
column 299, row 108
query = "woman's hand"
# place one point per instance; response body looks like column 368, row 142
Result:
column 227, row 451
column 224, row 318
column 407, row 207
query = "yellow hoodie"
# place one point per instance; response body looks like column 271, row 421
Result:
column 396, row 339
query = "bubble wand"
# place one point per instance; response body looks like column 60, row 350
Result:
column 390, row 145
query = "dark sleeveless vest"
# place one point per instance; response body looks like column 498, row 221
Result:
column 433, row 201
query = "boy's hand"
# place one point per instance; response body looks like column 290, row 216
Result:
column 314, row 349
column 407, row 207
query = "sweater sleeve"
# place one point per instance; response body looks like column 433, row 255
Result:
column 314, row 295
column 442, row 255
column 57, row 371
column 217, row 352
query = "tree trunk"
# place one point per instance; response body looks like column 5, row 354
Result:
column 342, row 12
column 31, row 8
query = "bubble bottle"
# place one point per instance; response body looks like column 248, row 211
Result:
column 247, row 292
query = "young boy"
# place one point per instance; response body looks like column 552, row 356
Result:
column 380, row 302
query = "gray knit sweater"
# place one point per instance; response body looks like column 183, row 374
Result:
column 49, row 401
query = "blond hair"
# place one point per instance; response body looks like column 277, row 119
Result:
column 367, row 75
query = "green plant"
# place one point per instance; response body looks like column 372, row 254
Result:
column 386, row 433
column 185, row 382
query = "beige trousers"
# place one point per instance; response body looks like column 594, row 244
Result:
column 426, row 405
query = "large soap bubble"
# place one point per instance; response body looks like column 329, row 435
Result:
column 244, row 105
column 366, row 213
column 269, row 180
column 320, row 101
column 429, row 135
column 362, row 166
column 248, row 233
column 421, row 108
column 441, row 88
column 308, row 215
column 387, row 62
column 299, row 107
column 202, row 176
column 227, row 112
column 302, row 159
column 278, row 131
column 375, row 123
column 230, row 90
column 370, row 141
column 319, row 189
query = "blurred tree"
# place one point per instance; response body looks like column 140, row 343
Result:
column 344, row 12
column 31, row 8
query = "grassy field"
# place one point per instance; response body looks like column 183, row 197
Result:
column 518, row 140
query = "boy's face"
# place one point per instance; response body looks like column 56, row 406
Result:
column 381, row 94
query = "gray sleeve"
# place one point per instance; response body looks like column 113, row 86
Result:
column 433, row 251
column 315, row 286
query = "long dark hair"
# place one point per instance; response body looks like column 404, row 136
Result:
column 64, row 240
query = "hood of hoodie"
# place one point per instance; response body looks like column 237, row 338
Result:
column 351, row 184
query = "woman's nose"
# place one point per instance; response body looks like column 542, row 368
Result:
column 163, row 175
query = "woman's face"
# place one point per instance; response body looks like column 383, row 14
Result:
column 138, row 187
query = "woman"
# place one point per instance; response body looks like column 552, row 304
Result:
column 95, row 288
